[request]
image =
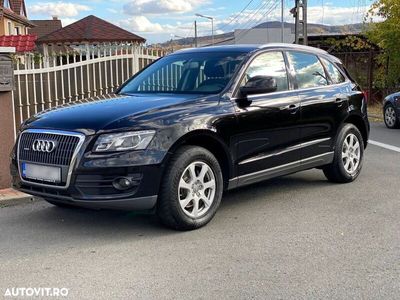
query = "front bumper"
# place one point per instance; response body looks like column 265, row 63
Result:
column 93, row 188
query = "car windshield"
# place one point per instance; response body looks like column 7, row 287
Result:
column 187, row 73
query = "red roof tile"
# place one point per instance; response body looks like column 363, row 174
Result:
column 91, row 29
column 22, row 43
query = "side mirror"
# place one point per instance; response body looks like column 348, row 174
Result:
column 259, row 85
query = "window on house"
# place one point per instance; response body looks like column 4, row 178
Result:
column 10, row 31
column 17, row 30
column 6, row 4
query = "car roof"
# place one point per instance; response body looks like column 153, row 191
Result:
column 253, row 48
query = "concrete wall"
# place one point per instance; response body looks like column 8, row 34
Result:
column 263, row 36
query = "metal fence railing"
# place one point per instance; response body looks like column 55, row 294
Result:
column 44, row 82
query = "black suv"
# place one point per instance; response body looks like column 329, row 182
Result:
column 193, row 124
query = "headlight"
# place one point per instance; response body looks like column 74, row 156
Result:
column 133, row 140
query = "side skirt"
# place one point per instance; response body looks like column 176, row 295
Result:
column 293, row 167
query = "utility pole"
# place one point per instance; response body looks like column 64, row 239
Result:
column 282, row 20
column 300, row 14
column 195, row 34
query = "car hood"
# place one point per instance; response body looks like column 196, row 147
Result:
column 107, row 114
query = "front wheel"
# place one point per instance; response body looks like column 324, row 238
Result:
column 348, row 156
column 191, row 190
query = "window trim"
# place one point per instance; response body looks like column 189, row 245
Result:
column 294, row 71
column 10, row 28
column 336, row 67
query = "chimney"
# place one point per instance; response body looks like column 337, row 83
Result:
column 55, row 17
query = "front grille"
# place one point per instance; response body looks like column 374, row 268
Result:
column 61, row 156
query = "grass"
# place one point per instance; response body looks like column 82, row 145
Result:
column 375, row 112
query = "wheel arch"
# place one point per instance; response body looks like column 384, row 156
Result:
column 210, row 141
column 359, row 122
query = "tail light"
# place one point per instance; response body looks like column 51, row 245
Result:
column 366, row 96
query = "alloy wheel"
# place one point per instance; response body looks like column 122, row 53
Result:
column 351, row 153
column 196, row 189
column 390, row 116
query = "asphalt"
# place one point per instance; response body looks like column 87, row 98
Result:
column 295, row 237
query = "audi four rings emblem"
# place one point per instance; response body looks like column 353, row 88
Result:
column 44, row 146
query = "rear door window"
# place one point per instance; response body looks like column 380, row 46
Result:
column 309, row 70
column 334, row 73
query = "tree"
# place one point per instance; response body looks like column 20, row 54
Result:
column 386, row 34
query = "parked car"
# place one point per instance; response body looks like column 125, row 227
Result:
column 391, row 111
column 194, row 124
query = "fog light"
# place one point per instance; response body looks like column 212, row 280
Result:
column 122, row 183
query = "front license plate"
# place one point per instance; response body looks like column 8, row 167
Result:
column 42, row 173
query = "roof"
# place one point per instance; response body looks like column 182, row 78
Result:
column 8, row 13
column 44, row 27
column 333, row 34
column 17, row 6
column 252, row 48
column 22, row 43
column 90, row 29
column 224, row 48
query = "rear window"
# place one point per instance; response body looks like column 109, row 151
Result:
column 334, row 73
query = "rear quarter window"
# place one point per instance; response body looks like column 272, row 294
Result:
column 334, row 73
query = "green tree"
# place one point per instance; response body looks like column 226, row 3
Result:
column 386, row 34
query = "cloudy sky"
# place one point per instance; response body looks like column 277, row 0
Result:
column 159, row 20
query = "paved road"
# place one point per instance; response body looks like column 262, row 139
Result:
column 293, row 237
column 380, row 133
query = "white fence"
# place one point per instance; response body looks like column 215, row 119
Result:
column 44, row 82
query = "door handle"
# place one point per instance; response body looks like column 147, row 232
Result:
column 340, row 100
column 293, row 108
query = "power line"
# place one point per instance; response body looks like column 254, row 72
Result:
column 237, row 16
column 269, row 9
column 243, row 15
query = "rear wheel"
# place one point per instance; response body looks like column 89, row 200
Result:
column 191, row 190
column 348, row 156
column 391, row 118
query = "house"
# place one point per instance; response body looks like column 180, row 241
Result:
column 14, row 26
column 45, row 27
column 87, row 32
column 13, row 18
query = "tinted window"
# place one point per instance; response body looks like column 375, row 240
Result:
column 269, row 64
column 309, row 70
column 333, row 72
column 187, row 73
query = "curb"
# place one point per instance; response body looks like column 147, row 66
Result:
column 12, row 198
column 375, row 116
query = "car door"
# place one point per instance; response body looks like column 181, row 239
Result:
column 267, row 133
column 323, row 104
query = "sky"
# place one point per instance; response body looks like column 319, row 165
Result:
column 162, row 20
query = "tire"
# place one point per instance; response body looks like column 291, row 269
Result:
column 348, row 158
column 59, row 204
column 391, row 118
column 187, row 201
